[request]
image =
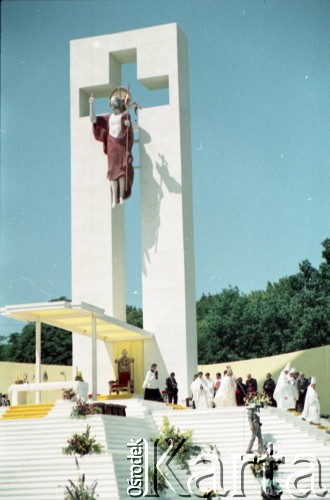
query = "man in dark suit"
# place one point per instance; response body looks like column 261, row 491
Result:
column 269, row 388
column 172, row 388
column 251, row 384
column 302, row 384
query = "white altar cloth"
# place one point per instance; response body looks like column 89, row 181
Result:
column 81, row 388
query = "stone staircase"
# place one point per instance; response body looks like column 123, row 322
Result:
column 228, row 429
column 33, row 467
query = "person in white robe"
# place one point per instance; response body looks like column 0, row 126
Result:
column 283, row 394
column 312, row 410
column 200, row 391
column 210, row 394
column 293, row 398
column 216, row 383
column 226, row 394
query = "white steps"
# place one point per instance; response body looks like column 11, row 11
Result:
column 228, row 429
column 33, row 467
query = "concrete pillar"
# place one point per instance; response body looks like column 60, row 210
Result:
column 98, row 267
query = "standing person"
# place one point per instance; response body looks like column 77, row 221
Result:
column 210, row 394
column 269, row 388
column 283, row 391
column 200, row 392
column 255, row 426
column 251, row 384
column 312, row 410
column 240, row 391
column 151, row 385
column 172, row 388
column 294, row 389
column 116, row 132
column 4, row 400
column 302, row 385
column 192, row 390
column 226, row 394
column 217, row 382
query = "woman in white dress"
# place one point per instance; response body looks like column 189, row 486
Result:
column 226, row 394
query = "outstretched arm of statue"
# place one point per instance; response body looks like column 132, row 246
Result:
column 92, row 115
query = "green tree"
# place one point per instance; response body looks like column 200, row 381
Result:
column 220, row 328
column 134, row 316
column 291, row 314
column 56, row 345
column 3, row 348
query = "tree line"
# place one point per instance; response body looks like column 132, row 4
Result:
column 291, row 314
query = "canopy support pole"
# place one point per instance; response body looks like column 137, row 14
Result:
column 94, row 358
column 38, row 358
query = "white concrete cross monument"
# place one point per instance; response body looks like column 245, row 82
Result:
column 167, row 240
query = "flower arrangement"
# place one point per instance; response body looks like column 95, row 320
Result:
column 68, row 394
column 82, row 444
column 170, row 435
column 83, row 408
column 258, row 463
column 264, row 464
column 80, row 491
column 257, row 398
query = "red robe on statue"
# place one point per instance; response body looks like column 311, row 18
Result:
column 118, row 149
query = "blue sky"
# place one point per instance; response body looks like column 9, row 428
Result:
column 260, row 117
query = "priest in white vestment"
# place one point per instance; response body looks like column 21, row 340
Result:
column 312, row 410
column 210, row 394
column 283, row 393
column 200, row 391
column 294, row 389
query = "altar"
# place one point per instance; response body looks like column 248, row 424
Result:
column 19, row 391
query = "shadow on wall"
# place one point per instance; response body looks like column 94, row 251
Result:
column 155, row 190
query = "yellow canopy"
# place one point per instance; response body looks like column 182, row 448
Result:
column 76, row 318
column 83, row 319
